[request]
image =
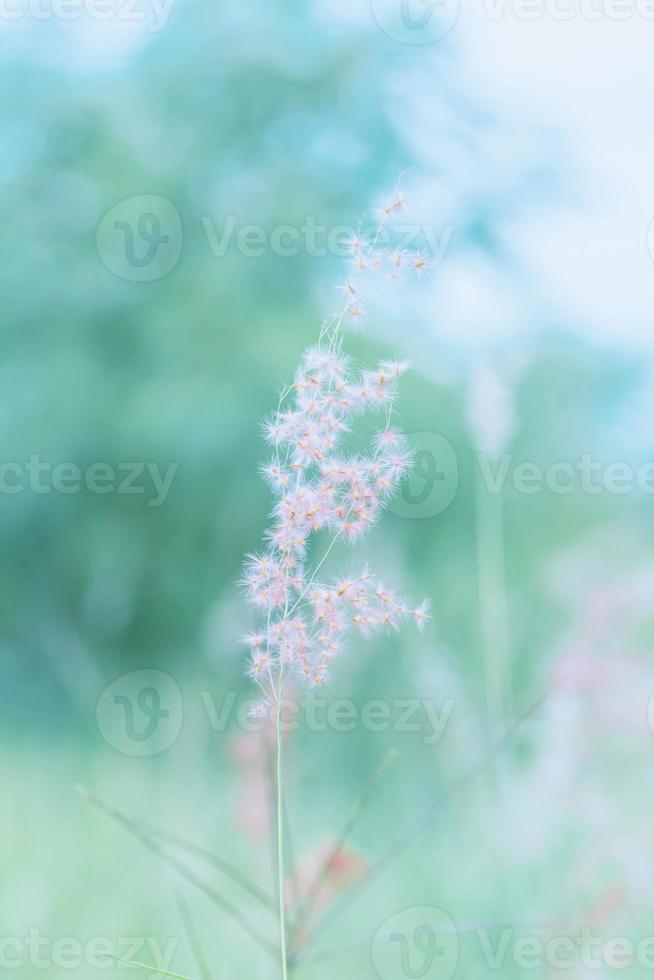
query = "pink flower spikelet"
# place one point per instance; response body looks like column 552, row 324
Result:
column 304, row 623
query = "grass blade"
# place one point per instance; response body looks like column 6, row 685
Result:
column 186, row 873
column 150, row 969
column 192, row 935
column 213, row 859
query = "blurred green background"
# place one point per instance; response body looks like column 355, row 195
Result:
column 274, row 114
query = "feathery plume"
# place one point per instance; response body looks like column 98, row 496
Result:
column 305, row 623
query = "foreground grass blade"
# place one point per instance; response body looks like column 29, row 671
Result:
column 186, row 873
column 150, row 969
column 192, row 934
column 213, row 859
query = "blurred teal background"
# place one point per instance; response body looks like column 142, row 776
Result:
column 531, row 340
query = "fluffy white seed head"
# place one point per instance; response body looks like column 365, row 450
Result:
column 303, row 624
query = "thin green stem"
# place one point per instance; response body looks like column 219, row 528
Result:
column 280, row 835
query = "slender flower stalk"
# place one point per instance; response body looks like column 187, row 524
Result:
column 281, row 870
column 303, row 620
